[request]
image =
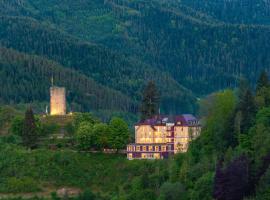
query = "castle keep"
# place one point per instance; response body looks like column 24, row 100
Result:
column 57, row 101
column 162, row 136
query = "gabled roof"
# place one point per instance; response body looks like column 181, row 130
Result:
column 177, row 120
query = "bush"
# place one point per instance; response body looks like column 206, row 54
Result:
column 17, row 185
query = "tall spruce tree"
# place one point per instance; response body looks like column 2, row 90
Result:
column 29, row 134
column 150, row 102
column 246, row 109
column 263, row 91
column 263, row 81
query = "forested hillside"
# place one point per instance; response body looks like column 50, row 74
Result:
column 202, row 46
column 185, row 39
column 237, row 12
column 25, row 78
column 108, row 68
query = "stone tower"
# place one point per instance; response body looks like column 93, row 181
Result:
column 57, row 101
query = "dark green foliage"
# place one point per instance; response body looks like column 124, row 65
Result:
column 263, row 189
column 187, row 44
column 29, row 78
column 107, row 173
column 190, row 40
column 24, row 184
column 217, row 134
column 114, row 70
column 203, row 187
column 263, row 81
column 172, row 191
column 262, row 91
column 7, row 114
column 29, row 131
column 247, row 110
column 236, row 12
column 232, row 183
column 84, row 117
column 87, row 195
column 150, row 101
column 85, row 137
column 119, row 133
column 103, row 133
column 17, row 126
column 92, row 134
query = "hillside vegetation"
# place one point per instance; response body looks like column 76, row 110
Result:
column 230, row 160
column 197, row 49
column 110, row 69
column 26, row 78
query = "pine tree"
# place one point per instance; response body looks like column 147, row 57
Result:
column 29, row 134
column 150, row 102
column 263, row 91
column 263, row 81
column 247, row 108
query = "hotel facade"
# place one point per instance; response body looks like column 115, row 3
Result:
column 162, row 136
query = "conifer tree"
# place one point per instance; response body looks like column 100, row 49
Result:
column 263, row 91
column 263, row 81
column 29, row 134
column 150, row 102
column 247, row 109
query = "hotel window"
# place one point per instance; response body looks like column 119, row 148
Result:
column 150, row 148
column 157, row 148
column 130, row 155
column 163, row 148
column 144, row 148
column 138, row 148
column 169, row 134
column 156, row 155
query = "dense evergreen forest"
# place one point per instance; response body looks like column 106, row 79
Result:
column 236, row 12
column 26, row 78
column 189, row 48
column 108, row 68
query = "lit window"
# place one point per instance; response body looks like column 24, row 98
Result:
column 144, row 148
column 144, row 155
column 150, row 148
column 157, row 148
column 163, row 148
column 138, row 148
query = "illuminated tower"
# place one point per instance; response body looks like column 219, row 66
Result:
column 57, row 100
